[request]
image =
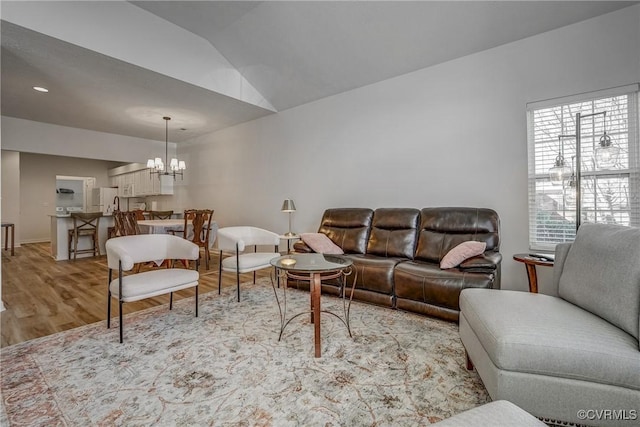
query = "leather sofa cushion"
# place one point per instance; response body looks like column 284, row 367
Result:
column 442, row 229
column 601, row 274
column 393, row 232
column 348, row 228
column 427, row 283
column 546, row 335
column 374, row 273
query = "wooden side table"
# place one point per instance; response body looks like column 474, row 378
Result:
column 7, row 226
column 530, row 262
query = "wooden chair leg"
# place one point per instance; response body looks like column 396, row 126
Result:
column 75, row 246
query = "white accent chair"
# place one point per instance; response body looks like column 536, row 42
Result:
column 124, row 252
column 236, row 240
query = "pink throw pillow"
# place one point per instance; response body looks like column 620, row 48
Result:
column 463, row 251
column 321, row 244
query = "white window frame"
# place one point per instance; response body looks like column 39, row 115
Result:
column 551, row 216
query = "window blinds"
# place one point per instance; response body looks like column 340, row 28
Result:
column 607, row 195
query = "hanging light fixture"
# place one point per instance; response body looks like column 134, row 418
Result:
column 560, row 170
column 607, row 153
column 175, row 166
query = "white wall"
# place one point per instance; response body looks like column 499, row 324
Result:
column 449, row 135
column 38, row 189
column 10, row 178
column 44, row 138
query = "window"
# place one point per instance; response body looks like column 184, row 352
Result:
column 608, row 195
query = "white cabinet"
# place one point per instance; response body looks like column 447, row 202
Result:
column 135, row 181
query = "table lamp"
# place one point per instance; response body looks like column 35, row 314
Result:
column 289, row 207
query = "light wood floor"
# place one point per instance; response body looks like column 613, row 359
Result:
column 42, row 296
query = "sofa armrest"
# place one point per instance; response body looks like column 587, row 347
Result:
column 487, row 262
column 301, row 247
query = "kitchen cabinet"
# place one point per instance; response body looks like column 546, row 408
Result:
column 134, row 180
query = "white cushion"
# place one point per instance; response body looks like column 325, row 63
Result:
column 230, row 238
column 148, row 247
column 249, row 261
column 152, row 283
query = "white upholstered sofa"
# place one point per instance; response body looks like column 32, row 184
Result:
column 572, row 357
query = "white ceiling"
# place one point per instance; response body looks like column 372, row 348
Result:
column 292, row 52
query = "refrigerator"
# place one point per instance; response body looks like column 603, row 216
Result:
column 103, row 199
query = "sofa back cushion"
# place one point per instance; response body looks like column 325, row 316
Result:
column 601, row 274
column 348, row 228
column 442, row 229
column 393, row 232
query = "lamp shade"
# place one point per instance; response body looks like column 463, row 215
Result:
column 559, row 172
column 607, row 154
column 288, row 206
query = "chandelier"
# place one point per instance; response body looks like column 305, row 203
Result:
column 174, row 167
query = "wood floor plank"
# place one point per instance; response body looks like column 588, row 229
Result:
column 43, row 296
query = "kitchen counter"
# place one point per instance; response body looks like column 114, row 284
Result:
column 60, row 226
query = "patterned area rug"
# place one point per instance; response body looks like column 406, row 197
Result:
column 227, row 367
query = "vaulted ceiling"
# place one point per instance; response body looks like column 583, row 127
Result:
column 288, row 53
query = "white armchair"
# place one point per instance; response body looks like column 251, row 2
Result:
column 236, row 240
column 124, row 252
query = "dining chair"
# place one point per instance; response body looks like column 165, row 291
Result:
column 236, row 240
column 139, row 214
column 160, row 214
column 197, row 227
column 124, row 253
column 85, row 224
column 125, row 223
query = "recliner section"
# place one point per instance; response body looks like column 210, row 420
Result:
column 396, row 254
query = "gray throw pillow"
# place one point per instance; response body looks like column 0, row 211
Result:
column 602, row 274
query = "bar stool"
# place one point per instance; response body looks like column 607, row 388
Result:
column 84, row 225
column 7, row 226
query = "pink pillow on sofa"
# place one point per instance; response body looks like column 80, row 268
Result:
column 464, row 250
column 320, row 243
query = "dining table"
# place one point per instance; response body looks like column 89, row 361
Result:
column 163, row 226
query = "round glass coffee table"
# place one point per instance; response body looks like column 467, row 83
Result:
column 313, row 268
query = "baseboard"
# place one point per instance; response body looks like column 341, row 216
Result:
column 27, row 241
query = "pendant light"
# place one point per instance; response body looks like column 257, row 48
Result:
column 560, row 170
column 174, row 167
column 607, row 153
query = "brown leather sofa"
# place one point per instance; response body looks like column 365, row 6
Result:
column 397, row 253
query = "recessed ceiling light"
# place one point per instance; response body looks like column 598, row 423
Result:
column 41, row 89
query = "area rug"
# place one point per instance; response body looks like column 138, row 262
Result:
column 228, row 368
